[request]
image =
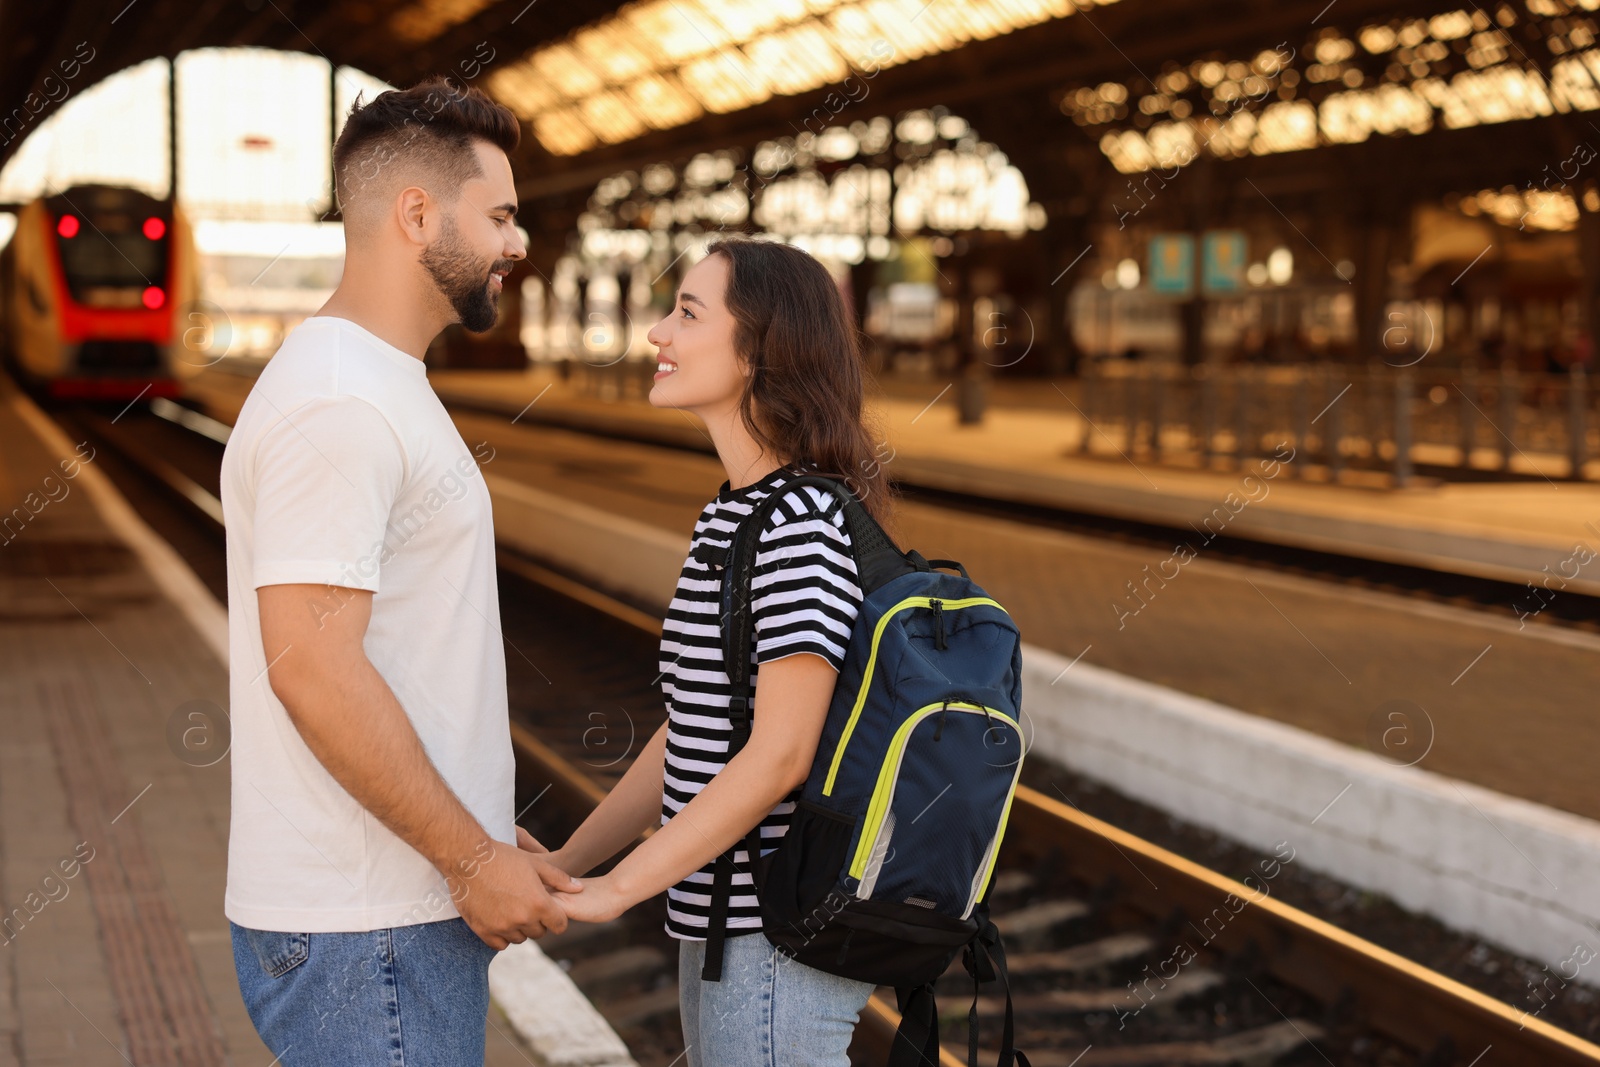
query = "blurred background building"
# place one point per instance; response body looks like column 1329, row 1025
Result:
column 1013, row 189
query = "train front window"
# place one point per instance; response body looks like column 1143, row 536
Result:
column 97, row 258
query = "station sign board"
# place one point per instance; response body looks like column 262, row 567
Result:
column 1172, row 264
column 1223, row 261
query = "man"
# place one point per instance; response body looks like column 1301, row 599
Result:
column 373, row 865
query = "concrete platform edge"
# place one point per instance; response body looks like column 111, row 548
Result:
column 1519, row 874
column 1452, row 552
column 551, row 1014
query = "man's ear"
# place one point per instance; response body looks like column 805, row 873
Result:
column 414, row 209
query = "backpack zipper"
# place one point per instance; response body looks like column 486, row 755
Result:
column 994, row 846
column 938, row 623
column 872, row 662
column 888, row 775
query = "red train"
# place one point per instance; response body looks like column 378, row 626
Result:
column 93, row 291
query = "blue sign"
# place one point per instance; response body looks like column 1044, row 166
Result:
column 1223, row 261
column 1172, row 264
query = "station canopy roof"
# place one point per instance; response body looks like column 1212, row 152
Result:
column 605, row 87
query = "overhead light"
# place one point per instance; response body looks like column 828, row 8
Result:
column 1280, row 266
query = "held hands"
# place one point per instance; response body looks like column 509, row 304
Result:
column 507, row 895
column 602, row 900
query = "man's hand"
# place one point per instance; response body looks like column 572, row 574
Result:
column 507, row 898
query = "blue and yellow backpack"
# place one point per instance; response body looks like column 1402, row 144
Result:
column 884, row 872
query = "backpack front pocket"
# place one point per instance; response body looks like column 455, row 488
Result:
column 939, row 808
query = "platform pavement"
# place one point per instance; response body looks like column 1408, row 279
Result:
column 112, row 838
column 1028, row 453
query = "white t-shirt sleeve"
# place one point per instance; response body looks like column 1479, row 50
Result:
column 327, row 477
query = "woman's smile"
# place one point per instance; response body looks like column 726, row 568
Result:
column 664, row 367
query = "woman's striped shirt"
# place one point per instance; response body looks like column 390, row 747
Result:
column 804, row 598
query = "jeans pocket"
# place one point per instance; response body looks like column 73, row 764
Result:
column 279, row 953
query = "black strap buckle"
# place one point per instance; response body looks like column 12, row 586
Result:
column 713, row 556
column 739, row 713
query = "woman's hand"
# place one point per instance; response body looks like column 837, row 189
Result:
column 558, row 858
column 601, row 901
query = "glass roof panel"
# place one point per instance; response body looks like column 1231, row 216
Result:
column 563, row 132
column 675, row 30
column 662, row 102
column 744, row 20
column 523, row 89
column 1455, row 71
column 610, row 47
column 612, row 117
column 798, row 60
column 725, row 82
column 669, row 61
column 567, row 72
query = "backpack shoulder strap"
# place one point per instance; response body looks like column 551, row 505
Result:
column 916, row 1042
column 876, row 557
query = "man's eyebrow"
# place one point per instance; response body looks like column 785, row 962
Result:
column 690, row 298
column 510, row 209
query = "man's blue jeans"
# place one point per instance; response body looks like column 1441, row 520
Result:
column 410, row 996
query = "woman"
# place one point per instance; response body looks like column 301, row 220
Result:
column 760, row 346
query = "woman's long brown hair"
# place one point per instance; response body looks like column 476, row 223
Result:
column 803, row 398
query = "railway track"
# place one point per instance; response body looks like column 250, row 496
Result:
column 1123, row 953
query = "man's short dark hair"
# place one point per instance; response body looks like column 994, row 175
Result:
column 427, row 130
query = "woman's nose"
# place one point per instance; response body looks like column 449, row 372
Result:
column 657, row 335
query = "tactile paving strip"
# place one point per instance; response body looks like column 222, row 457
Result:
column 165, row 1013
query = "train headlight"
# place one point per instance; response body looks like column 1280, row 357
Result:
column 67, row 226
column 154, row 228
column 154, row 297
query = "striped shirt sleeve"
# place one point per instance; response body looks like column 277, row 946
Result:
column 804, row 595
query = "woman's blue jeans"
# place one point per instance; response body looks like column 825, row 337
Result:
column 768, row 1010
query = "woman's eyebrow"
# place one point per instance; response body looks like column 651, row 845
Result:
column 690, row 298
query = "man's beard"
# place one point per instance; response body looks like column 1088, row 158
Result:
column 462, row 278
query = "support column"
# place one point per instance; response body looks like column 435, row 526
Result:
column 1589, row 262
column 172, row 129
column 1192, row 318
column 1200, row 215
column 1372, row 289
column 1067, row 255
column 331, row 212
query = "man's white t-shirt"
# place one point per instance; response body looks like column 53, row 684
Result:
column 344, row 469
